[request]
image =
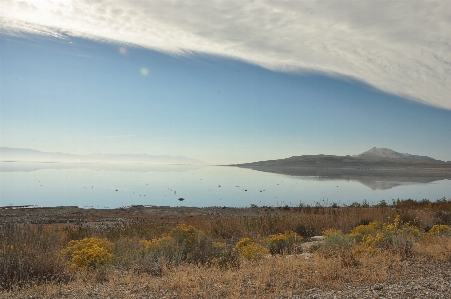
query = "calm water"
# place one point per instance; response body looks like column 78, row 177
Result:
column 111, row 186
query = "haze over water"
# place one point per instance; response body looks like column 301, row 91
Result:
column 115, row 185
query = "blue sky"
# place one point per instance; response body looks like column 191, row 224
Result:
column 63, row 90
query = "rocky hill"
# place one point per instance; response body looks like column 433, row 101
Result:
column 371, row 167
column 391, row 154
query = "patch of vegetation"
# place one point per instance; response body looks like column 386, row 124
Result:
column 360, row 243
column 185, row 243
column 30, row 255
column 251, row 250
column 288, row 242
column 89, row 253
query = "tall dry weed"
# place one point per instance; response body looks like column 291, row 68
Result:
column 434, row 248
column 30, row 254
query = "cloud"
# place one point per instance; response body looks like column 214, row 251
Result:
column 401, row 47
column 113, row 136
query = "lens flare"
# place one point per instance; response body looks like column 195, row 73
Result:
column 144, row 71
column 122, row 50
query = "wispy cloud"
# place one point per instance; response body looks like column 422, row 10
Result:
column 113, row 136
column 401, row 47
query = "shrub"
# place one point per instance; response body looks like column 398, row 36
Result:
column 362, row 231
column 162, row 247
column 185, row 238
column 397, row 236
column 339, row 246
column 176, row 247
column 365, row 221
column 355, row 205
column 243, row 242
column 305, row 231
column 89, row 253
column 184, row 243
column 335, row 240
column 439, row 231
column 382, row 204
column 283, row 243
column 444, row 217
column 250, row 250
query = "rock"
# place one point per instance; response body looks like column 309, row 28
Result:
column 378, row 287
column 317, row 238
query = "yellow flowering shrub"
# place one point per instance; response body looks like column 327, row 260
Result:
column 283, row 243
column 88, row 253
column 250, row 250
column 361, row 231
column 367, row 239
column 375, row 236
column 243, row 242
column 438, row 231
column 185, row 237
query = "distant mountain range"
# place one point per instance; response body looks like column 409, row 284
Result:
column 380, row 157
column 19, row 154
column 378, row 168
column 391, row 154
column 375, row 157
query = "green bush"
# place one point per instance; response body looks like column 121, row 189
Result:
column 336, row 240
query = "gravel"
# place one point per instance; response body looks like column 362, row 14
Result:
column 424, row 281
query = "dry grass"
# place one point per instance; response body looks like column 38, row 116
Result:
column 273, row 276
column 434, row 249
column 30, row 255
column 198, row 259
column 310, row 221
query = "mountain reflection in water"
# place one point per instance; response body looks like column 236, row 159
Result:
column 134, row 167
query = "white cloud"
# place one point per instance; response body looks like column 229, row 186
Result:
column 113, row 136
column 401, row 47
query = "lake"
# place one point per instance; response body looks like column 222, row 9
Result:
column 115, row 185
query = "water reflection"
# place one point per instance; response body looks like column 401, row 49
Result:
column 376, row 179
column 103, row 185
column 391, row 182
column 135, row 167
column 380, row 182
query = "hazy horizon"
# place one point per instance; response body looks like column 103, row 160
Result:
column 32, row 155
column 226, row 82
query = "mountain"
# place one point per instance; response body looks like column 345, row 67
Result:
column 390, row 154
column 19, row 154
column 377, row 168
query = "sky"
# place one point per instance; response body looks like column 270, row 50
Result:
column 226, row 81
